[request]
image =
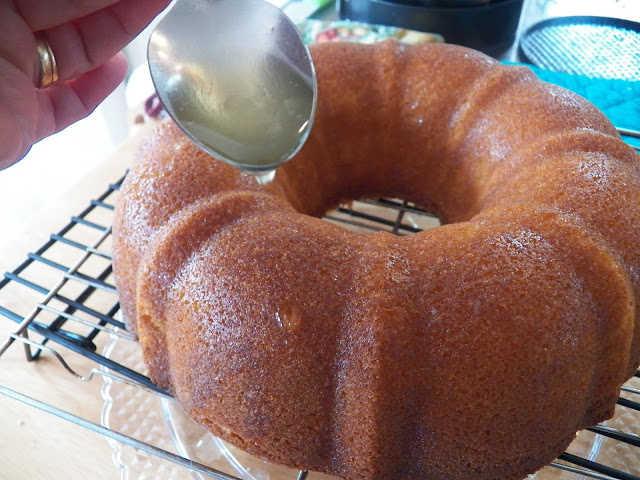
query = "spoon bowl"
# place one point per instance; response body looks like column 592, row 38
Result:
column 238, row 79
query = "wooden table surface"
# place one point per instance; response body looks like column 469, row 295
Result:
column 34, row 444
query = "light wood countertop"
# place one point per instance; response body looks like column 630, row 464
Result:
column 34, row 444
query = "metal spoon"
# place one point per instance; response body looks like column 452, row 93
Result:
column 236, row 76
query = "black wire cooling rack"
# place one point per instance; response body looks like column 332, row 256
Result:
column 74, row 310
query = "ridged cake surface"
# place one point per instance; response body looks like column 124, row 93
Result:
column 472, row 351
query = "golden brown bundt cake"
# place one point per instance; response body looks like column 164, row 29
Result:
column 474, row 350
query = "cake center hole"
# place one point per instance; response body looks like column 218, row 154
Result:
column 384, row 214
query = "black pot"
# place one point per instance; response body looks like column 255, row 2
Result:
column 488, row 26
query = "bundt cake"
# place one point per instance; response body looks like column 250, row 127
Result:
column 472, row 351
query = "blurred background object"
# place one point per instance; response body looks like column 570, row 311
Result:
column 486, row 25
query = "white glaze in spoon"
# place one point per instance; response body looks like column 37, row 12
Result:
column 236, row 76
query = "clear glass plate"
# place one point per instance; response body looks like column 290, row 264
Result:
column 137, row 413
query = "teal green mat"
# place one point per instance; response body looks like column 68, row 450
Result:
column 618, row 99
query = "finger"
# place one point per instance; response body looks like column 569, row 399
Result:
column 41, row 15
column 15, row 140
column 18, row 46
column 18, row 114
column 82, row 45
column 65, row 103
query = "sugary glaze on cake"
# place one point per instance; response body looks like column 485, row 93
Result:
column 474, row 350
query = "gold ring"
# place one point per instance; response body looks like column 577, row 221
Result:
column 48, row 65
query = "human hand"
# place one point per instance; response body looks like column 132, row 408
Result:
column 85, row 37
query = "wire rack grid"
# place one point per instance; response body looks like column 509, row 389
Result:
column 75, row 312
